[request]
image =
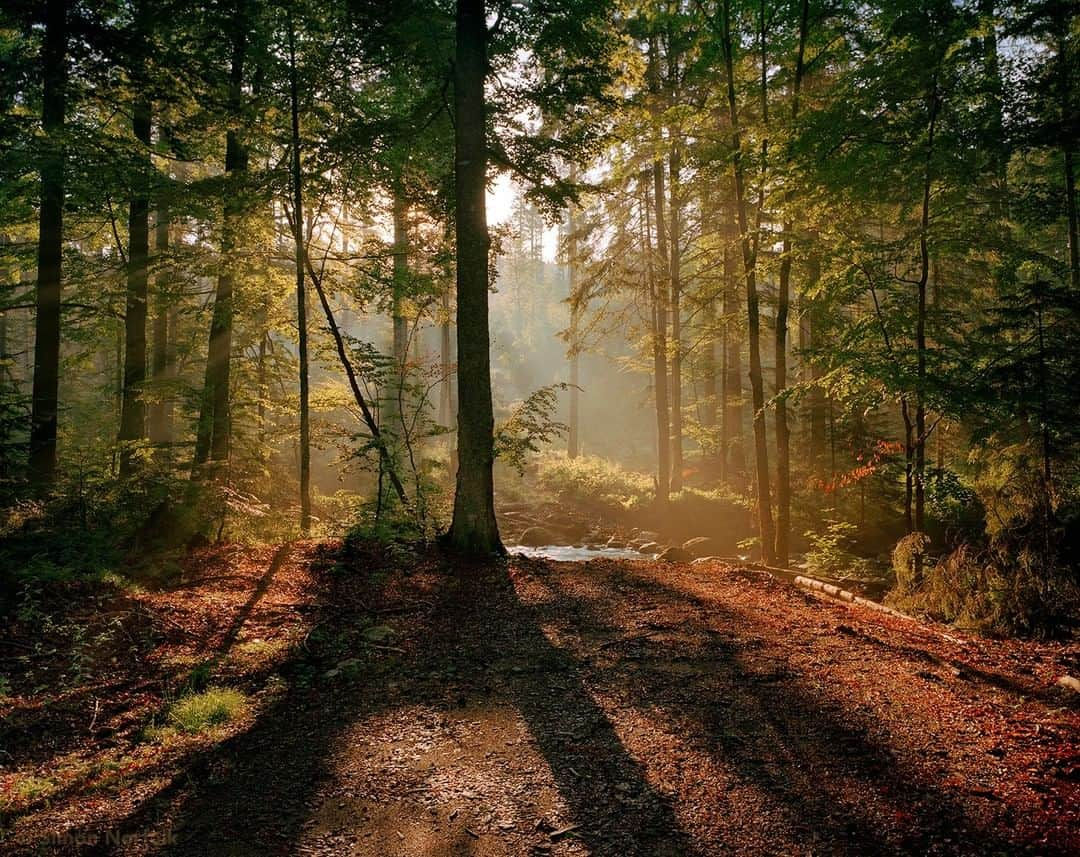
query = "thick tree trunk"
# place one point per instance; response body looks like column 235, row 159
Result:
column 212, row 437
column 44, row 405
column 749, row 254
column 133, row 409
column 474, row 528
column 301, row 293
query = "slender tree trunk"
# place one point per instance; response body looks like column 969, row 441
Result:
column 783, row 432
column 301, row 292
column 1074, row 229
column 573, row 434
column 44, row 404
column 133, row 408
column 658, row 313
column 920, row 322
column 732, row 440
column 749, row 254
column 474, row 528
column 674, row 166
column 158, row 419
column 396, row 425
column 212, row 437
column 446, row 360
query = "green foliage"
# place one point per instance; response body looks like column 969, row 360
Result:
column 829, row 553
column 530, row 426
column 909, row 560
column 195, row 713
column 592, row 481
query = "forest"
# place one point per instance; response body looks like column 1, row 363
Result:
column 440, row 427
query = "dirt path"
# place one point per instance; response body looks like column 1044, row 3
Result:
column 607, row 708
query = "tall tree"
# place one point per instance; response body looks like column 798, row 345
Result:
column 748, row 240
column 133, row 408
column 45, row 405
column 212, row 437
column 474, row 528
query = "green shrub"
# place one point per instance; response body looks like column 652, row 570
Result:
column 592, row 481
column 909, row 561
column 830, row 555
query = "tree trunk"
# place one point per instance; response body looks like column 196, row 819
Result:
column 159, row 418
column 301, row 293
column 920, row 322
column 396, row 424
column 44, row 407
column 1074, row 229
column 212, row 437
column 474, row 528
column 732, row 444
column 658, row 318
column 133, row 408
column 749, row 254
column 674, row 165
column 783, row 433
column 573, row 434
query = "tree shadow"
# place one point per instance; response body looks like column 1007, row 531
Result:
column 254, row 793
column 823, row 776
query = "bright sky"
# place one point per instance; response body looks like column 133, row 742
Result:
column 500, row 205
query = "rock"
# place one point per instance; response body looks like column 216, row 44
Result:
column 704, row 559
column 535, row 537
column 651, row 547
column 615, row 542
column 675, row 555
column 701, row 546
column 649, row 536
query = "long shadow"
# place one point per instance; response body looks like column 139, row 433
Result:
column 829, row 784
column 230, row 800
column 825, row 781
column 617, row 810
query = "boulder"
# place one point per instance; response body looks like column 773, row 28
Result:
column 536, row 537
column 675, row 555
column 651, row 547
column 702, row 546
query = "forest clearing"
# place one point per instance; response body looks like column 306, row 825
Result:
column 522, row 427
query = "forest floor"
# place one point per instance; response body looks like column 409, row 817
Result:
column 401, row 703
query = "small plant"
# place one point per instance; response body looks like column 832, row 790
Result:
column 196, row 713
column 5, row 689
column 830, row 554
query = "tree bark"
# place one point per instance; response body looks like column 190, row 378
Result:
column 301, row 293
column 159, row 417
column 674, row 166
column 749, row 254
column 396, row 425
column 45, row 395
column 783, row 433
column 212, row 437
column 474, row 528
column 133, row 408
column 573, row 434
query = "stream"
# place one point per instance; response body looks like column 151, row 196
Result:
column 566, row 553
